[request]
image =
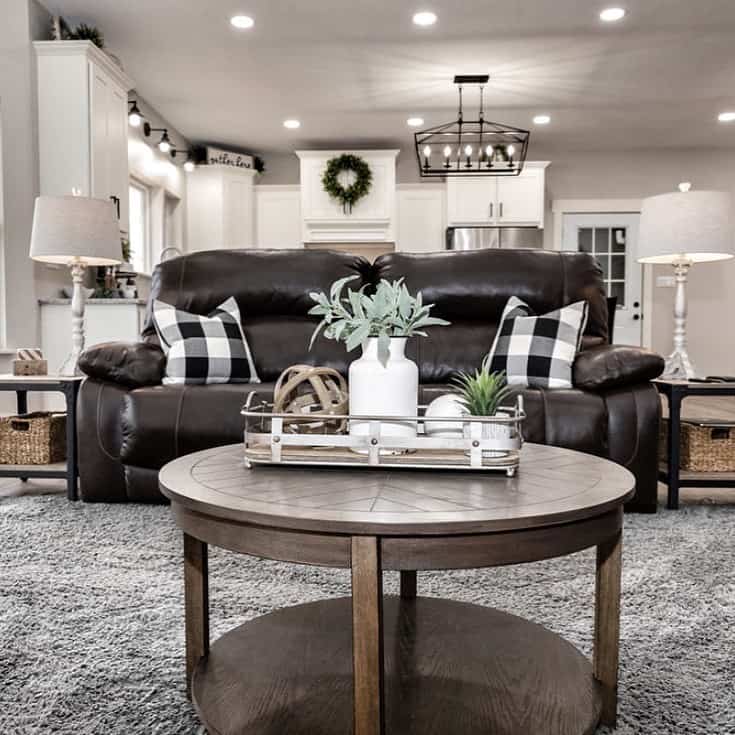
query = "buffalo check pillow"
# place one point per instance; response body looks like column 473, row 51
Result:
column 538, row 350
column 204, row 349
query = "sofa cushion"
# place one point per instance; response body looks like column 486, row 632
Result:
column 160, row 423
column 271, row 288
column 204, row 349
column 471, row 288
column 538, row 349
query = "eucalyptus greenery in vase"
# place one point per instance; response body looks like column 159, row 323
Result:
column 383, row 382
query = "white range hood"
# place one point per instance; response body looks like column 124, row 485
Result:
column 372, row 219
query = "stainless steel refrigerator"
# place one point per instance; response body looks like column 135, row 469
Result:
column 478, row 238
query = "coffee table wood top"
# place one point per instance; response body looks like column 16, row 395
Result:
column 552, row 486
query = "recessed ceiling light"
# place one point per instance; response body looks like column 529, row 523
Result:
column 415, row 122
column 242, row 22
column 726, row 117
column 291, row 124
column 610, row 15
column 541, row 120
column 424, row 18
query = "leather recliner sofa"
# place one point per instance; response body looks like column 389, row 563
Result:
column 130, row 424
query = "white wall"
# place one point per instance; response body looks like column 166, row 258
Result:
column 636, row 175
column 22, row 22
column 605, row 175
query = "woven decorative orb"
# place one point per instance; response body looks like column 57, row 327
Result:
column 315, row 392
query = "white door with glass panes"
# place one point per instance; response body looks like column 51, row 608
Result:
column 612, row 239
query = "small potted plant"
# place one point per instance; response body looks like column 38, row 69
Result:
column 383, row 382
column 483, row 393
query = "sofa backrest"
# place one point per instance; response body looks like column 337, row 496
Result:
column 272, row 290
column 471, row 288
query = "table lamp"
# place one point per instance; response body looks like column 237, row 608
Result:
column 680, row 229
column 75, row 231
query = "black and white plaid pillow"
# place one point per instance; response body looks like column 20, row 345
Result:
column 204, row 349
column 538, row 351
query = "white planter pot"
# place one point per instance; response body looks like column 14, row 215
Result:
column 492, row 431
column 384, row 390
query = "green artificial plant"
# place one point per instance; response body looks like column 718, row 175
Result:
column 482, row 392
column 390, row 312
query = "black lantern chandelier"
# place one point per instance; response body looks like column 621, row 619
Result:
column 471, row 147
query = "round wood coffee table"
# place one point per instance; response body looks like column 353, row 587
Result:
column 408, row 665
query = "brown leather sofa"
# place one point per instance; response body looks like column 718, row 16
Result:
column 130, row 425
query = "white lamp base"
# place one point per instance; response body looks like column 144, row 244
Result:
column 678, row 365
column 70, row 367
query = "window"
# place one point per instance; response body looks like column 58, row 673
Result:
column 140, row 204
column 607, row 244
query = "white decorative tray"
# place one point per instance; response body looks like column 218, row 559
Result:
column 489, row 443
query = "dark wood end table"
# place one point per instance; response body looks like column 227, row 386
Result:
column 69, row 386
column 670, row 472
column 406, row 665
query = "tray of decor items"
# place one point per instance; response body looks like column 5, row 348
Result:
column 317, row 418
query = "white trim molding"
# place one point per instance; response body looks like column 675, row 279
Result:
column 88, row 49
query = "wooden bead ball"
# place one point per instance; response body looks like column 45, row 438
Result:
column 315, row 392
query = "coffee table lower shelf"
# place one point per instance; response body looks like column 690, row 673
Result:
column 450, row 667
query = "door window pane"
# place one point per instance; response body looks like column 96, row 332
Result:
column 602, row 240
column 607, row 245
column 585, row 239
column 617, row 269
column 618, row 239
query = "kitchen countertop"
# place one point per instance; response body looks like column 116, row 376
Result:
column 95, row 302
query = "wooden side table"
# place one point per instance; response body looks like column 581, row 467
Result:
column 670, row 471
column 69, row 386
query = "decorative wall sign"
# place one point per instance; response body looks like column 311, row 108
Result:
column 219, row 156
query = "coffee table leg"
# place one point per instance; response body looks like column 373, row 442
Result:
column 196, row 604
column 408, row 585
column 607, row 625
column 367, row 636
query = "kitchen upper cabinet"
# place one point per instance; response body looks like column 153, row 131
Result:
column 82, row 122
column 498, row 200
column 220, row 207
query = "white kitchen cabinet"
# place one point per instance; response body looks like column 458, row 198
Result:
column 278, row 216
column 82, row 122
column 220, row 208
column 372, row 219
column 105, row 320
column 508, row 201
column 421, row 212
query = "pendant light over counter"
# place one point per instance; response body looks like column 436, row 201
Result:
column 471, row 147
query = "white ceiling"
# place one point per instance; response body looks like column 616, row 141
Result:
column 353, row 70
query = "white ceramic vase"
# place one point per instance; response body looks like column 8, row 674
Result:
column 384, row 390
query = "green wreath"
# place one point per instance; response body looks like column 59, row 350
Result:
column 347, row 196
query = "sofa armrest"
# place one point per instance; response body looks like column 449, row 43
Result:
column 612, row 366
column 131, row 364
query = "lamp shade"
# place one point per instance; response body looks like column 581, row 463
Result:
column 686, row 225
column 71, row 229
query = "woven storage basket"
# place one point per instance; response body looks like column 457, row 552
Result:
column 703, row 446
column 33, row 438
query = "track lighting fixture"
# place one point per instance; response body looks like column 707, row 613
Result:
column 190, row 163
column 135, row 116
column 164, row 145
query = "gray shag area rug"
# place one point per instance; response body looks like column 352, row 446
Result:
column 91, row 615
